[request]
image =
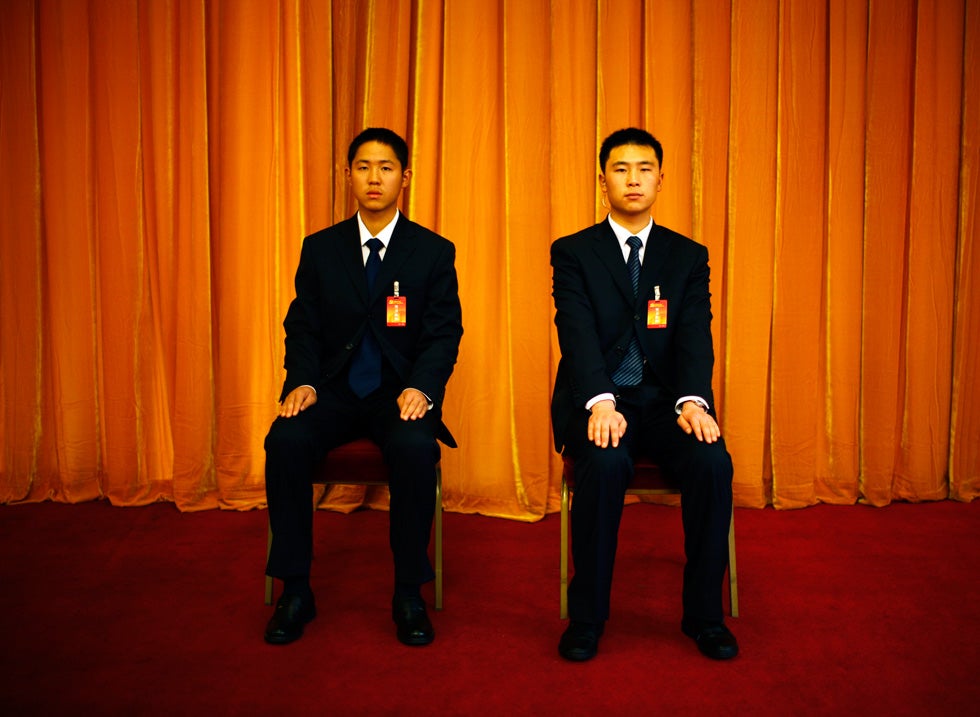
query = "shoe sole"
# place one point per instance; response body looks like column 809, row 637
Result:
column 417, row 641
column 275, row 640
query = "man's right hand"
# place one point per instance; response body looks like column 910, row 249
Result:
column 299, row 399
column 606, row 424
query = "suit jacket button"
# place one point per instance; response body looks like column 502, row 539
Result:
column 349, row 346
column 636, row 317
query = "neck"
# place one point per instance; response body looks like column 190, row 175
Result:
column 376, row 221
column 634, row 223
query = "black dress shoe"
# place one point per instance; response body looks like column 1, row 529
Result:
column 713, row 639
column 580, row 641
column 412, row 621
column 292, row 613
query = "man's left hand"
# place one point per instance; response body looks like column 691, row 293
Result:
column 694, row 419
column 413, row 404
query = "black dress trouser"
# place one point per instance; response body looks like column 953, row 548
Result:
column 294, row 446
column 703, row 472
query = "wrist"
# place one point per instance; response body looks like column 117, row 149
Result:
column 603, row 406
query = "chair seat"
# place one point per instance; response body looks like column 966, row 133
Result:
column 647, row 477
column 360, row 458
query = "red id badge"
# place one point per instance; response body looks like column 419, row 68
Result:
column 657, row 314
column 397, row 310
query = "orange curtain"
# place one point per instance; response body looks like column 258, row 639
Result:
column 161, row 161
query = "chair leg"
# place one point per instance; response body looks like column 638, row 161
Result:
column 268, row 580
column 563, row 570
column 438, row 537
column 732, row 572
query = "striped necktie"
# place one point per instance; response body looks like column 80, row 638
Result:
column 630, row 370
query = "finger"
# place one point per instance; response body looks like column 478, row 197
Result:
column 714, row 433
column 412, row 409
column 614, row 435
column 698, row 432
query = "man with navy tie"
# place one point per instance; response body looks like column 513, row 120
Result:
column 354, row 369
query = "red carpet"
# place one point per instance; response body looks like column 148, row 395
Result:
column 136, row 611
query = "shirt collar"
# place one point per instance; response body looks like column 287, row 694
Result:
column 622, row 233
column 384, row 235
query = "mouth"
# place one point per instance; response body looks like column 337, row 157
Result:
column 634, row 196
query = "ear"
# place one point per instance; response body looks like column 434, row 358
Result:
column 406, row 177
column 347, row 174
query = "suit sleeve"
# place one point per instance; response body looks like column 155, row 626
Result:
column 693, row 351
column 442, row 328
column 303, row 326
column 575, row 320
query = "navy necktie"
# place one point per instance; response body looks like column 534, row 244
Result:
column 630, row 370
column 365, row 370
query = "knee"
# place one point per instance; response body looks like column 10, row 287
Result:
column 408, row 446
column 609, row 461
column 608, row 468
column 711, row 465
column 287, row 435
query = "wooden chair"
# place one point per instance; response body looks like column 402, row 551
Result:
column 360, row 463
column 648, row 479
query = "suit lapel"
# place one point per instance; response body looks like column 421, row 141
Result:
column 610, row 253
column 400, row 248
column 352, row 256
column 655, row 258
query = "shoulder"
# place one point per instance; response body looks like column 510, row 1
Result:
column 677, row 242
column 335, row 232
column 423, row 239
column 582, row 238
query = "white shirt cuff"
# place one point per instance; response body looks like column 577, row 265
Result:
column 697, row 399
column 601, row 397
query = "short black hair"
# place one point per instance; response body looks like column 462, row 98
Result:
column 629, row 135
column 384, row 136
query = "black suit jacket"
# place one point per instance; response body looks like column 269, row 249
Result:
column 596, row 315
column 332, row 309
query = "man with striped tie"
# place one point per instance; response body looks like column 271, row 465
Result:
column 633, row 313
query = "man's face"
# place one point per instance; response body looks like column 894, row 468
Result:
column 376, row 177
column 631, row 180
